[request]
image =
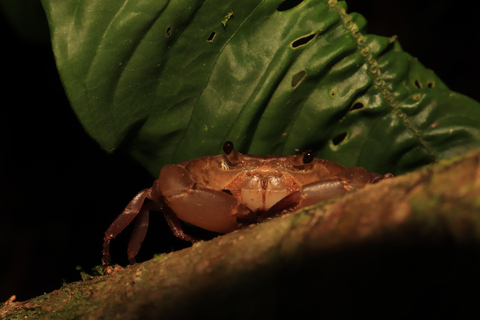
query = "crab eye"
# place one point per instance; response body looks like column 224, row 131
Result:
column 228, row 147
column 308, row 157
column 231, row 155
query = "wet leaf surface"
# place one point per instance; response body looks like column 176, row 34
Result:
column 170, row 81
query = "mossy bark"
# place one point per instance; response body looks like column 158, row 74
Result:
column 408, row 246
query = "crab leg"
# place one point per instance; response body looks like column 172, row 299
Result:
column 176, row 227
column 123, row 220
column 138, row 234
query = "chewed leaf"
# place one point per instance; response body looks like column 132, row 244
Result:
column 171, row 81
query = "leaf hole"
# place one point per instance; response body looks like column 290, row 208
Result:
column 332, row 93
column 211, row 36
column 417, row 96
column 298, row 77
column 339, row 138
column 357, row 105
column 431, row 84
column 418, row 84
column 288, row 4
column 169, row 31
column 302, row 41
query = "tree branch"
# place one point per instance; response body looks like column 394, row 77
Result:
column 405, row 246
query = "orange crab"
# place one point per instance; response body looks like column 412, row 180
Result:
column 227, row 192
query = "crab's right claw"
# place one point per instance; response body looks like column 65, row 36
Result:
column 205, row 208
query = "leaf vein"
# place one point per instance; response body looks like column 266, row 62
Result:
column 375, row 71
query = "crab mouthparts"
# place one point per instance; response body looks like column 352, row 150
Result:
column 260, row 193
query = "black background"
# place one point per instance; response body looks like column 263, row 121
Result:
column 59, row 191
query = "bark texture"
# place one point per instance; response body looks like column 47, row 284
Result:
column 405, row 247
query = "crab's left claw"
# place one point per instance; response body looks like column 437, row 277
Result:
column 347, row 180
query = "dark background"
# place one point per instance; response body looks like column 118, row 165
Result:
column 59, row 191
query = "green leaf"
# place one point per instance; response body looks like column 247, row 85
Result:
column 172, row 80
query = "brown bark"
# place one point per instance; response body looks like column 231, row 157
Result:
column 408, row 246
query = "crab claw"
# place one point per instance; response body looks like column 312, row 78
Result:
column 347, row 180
column 205, row 208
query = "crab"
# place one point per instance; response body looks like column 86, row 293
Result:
column 227, row 192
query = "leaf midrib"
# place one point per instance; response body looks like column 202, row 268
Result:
column 372, row 64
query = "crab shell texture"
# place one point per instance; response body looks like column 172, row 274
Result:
column 226, row 192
